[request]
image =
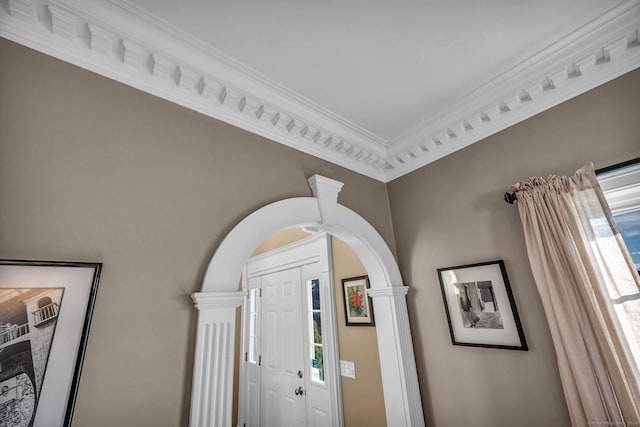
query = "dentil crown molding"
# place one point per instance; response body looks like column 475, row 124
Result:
column 119, row 41
column 599, row 51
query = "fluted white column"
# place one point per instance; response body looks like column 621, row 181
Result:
column 399, row 377
column 212, row 388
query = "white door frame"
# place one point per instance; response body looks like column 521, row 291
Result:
column 313, row 249
column 212, row 387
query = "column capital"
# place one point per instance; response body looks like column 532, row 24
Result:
column 391, row 291
column 213, row 300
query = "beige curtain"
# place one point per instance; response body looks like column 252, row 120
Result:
column 590, row 293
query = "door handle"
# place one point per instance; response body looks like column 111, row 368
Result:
column 299, row 391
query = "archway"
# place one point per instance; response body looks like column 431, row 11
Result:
column 211, row 396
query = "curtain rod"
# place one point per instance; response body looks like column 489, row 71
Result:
column 512, row 197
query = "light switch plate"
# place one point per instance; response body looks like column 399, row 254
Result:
column 348, row 369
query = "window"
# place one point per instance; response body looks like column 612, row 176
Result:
column 629, row 225
column 254, row 325
column 621, row 187
column 44, row 301
column 315, row 331
column 47, row 310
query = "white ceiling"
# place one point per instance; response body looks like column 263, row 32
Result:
column 379, row 87
column 384, row 65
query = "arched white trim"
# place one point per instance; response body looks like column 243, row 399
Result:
column 214, row 358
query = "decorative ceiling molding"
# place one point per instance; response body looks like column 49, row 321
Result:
column 111, row 40
column 121, row 42
column 599, row 51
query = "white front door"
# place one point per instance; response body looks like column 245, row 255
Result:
column 290, row 370
column 283, row 385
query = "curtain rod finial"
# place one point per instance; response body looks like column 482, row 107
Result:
column 510, row 197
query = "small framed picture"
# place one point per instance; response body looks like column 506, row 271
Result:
column 357, row 304
column 45, row 314
column 480, row 307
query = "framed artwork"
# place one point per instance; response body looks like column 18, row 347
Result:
column 357, row 305
column 45, row 314
column 480, row 307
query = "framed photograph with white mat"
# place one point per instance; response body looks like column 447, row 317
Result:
column 480, row 308
column 45, row 315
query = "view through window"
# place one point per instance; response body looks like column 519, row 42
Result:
column 621, row 187
column 315, row 331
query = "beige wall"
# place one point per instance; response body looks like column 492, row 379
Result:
column 279, row 239
column 451, row 212
column 92, row 170
column 363, row 400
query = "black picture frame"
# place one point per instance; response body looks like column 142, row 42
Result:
column 53, row 301
column 480, row 308
column 358, row 308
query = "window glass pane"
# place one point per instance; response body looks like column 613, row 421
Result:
column 317, row 328
column 629, row 225
column 315, row 331
column 315, row 294
column 317, row 365
column 621, row 187
column 253, row 323
column 253, row 349
column 253, row 300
